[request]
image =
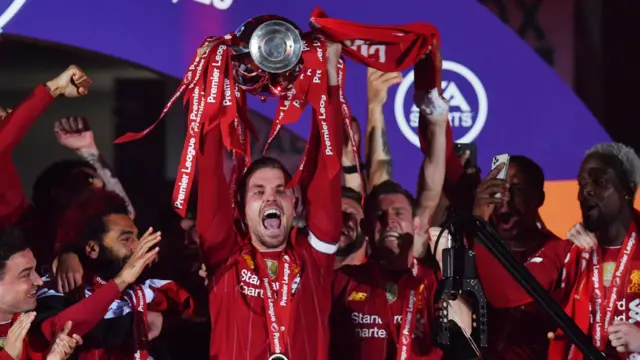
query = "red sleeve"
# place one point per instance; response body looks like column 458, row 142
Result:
column 214, row 220
column 4, row 355
column 502, row 291
column 12, row 129
column 85, row 315
column 322, row 193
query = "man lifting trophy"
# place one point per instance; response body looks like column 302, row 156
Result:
column 269, row 56
column 284, row 312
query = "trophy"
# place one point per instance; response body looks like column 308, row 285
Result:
column 269, row 56
column 266, row 55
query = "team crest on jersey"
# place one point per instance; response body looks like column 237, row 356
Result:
column 392, row 292
column 2, row 342
column 272, row 267
column 634, row 287
column 249, row 261
column 357, row 296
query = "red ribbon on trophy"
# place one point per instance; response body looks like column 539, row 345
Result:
column 221, row 72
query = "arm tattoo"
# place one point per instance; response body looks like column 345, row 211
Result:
column 385, row 142
column 379, row 156
column 370, row 146
column 111, row 182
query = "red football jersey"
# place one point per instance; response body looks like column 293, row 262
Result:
column 237, row 307
column 507, row 340
column 366, row 305
column 627, row 309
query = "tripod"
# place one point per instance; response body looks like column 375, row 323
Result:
column 459, row 277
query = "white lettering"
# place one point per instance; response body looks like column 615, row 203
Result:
column 327, row 139
column 284, row 294
column 227, row 93
column 318, row 46
column 359, row 318
column 367, row 50
column 218, row 4
column 371, row 333
column 368, row 331
column 186, row 165
column 317, row 77
column 251, row 285
column 634, row 311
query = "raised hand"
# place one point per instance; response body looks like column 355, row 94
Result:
column 485, row 200
column 74, row 133
column 64, row 345
column 582, row 238
column 140, row 259
column 17, row 332
column 333, row 56
column 68, row 272
column 378, row 84
column 625, row 337
column 432, row 105
column 72, row 83
column 4, row 112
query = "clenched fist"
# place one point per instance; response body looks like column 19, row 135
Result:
column 72, row 83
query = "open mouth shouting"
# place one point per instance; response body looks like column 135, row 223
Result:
column 506, row 220
column 272, row 220
column 589, row 208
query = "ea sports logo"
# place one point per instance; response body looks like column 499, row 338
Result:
column 468, row 104
column 9, row 9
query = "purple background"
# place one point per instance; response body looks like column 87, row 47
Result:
column 530, row 110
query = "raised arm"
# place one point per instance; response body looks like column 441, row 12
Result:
column 376, row 143
column 71, row 83
column 351, row 177
column 214, row 219
column 323, row 194
column 75, row 134
column 435, row 113
column 85, row 314
column 13, row 127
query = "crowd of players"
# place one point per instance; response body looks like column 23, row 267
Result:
column 354, row 278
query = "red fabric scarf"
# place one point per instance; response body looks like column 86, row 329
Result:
column 214, row 99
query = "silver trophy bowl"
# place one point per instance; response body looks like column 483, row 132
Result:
column 275, row 46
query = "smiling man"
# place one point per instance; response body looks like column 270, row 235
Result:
column 352, row 248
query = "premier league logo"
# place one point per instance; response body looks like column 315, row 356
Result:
column 9, row 9
column 468, row 104
column 272, row 267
